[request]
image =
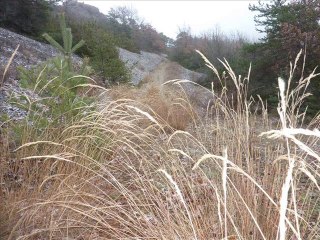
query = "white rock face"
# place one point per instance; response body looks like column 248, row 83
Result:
column 140, row 65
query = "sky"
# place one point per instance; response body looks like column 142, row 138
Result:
column 200, row 16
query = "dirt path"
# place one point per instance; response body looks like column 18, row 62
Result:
column 168, row 70
column 160, row 75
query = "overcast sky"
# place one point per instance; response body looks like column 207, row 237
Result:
column 201, row 16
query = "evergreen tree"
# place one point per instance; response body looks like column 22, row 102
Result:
column 67, row 49
column 289, row 26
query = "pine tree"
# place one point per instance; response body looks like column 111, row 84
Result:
column 67, row 50
column 289, row 26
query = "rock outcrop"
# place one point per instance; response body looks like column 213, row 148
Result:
column 81, row 12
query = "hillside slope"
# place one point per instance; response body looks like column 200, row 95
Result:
column 145, row 63
column 29, row 53
column 168, row 70
column 145, row 67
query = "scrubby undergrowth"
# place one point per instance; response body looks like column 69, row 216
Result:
column 127, row 171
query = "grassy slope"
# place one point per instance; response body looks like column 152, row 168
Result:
column 146, row 165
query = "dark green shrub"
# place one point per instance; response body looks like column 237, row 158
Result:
column 25, row 16
column 104, row 56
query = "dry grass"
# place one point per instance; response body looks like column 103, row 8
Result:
column 231, row 175
column 6, row 69
column 169, row 105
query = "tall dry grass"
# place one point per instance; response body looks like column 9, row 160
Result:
column 170, row 105
column 118, row 173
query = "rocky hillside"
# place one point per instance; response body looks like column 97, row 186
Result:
column 30, row 52
column 141, row 65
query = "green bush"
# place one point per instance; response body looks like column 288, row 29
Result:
column 104, row 56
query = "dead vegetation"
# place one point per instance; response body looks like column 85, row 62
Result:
column 147, row 166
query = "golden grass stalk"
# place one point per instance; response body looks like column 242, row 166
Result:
column 8, row 65
column 177, row 189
